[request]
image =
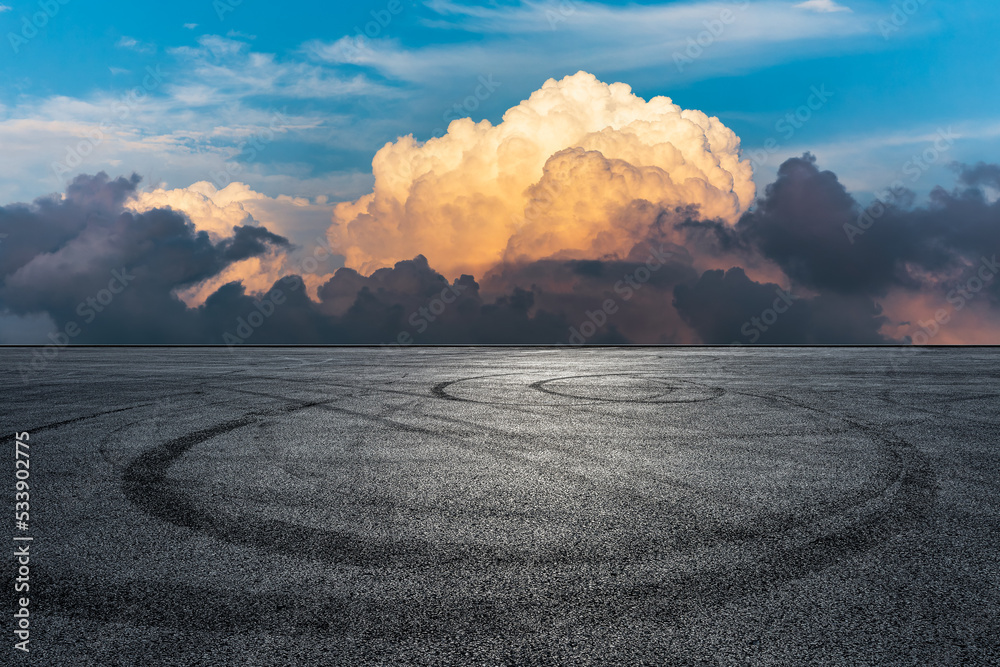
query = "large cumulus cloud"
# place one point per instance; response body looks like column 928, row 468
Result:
column 581, row 169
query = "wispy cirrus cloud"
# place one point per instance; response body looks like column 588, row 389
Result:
column 229, row 68
column 515, row 39
column 823, row 6
column 767, row 21
column 617, row 21
column 871, row 161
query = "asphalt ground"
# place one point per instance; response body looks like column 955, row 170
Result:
column 498, row 506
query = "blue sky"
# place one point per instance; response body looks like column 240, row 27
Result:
column 317, row 101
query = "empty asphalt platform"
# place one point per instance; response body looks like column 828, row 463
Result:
column 508, row 506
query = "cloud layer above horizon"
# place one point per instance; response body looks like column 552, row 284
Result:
column 589, row 215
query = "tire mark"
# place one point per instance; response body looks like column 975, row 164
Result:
column 940, row 413
column 540, row 386
column 440, row 391
column 65, row 422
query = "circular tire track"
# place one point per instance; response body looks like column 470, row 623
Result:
column 145, row 485
column 440, row 391
column 904, row 502
column 713, row 392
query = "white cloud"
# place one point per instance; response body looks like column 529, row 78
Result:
column 767, row 19
column 213, row 97
column 212, row 211
column 190, row 26
column 5, row 8
column 135, row 45
column 822, row 6
column 163, row 139
column 354, row 95
column 227, row 69
column 510, row 41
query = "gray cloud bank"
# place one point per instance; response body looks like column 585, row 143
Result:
column 103, row 274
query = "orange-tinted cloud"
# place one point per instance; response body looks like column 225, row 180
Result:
column 218, row 212
column 581, row 169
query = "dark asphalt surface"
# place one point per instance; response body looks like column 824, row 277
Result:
column 510, row 506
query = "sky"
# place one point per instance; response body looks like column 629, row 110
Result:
column 308, row 124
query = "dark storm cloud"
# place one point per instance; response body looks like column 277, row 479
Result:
column 728, row 307
column 250, row 242
column 607, row 301
column 823, row 239
column 799, row 224
column 980, row 174
column 539, row 302
column 50, row 222
column 409, row 303
column 85, row 260
column 413, row 303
